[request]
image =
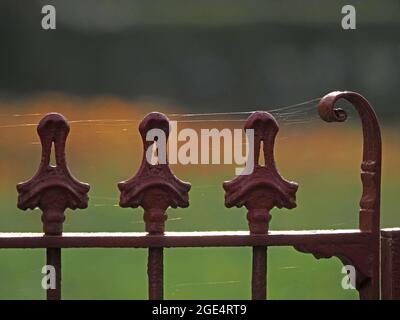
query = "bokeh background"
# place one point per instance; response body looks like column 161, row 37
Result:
column 109, row 63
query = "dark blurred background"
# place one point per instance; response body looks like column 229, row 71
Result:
column 203, row 55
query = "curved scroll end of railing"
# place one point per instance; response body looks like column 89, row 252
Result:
column 263, row 188
column 154, row 187
column 372, row 152
column 53, row 188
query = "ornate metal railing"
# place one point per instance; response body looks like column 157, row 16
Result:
column 154, row 188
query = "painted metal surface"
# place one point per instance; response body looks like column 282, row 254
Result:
column 364, row 257
column 155, row 189
column 53, row 189
column 260, row 191
column 390, row 261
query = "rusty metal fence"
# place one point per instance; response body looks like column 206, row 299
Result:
column 374, row 253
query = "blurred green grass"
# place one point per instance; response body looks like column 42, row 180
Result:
column 202, row 273
column 325, row 164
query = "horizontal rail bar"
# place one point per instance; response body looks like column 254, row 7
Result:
column 180, row 239
column 389, row 232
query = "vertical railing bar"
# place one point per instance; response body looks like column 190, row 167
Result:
column 259, row 273
column 155, row 272
column 53, row 257
column 390, row 264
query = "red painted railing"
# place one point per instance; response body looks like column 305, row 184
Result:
column 155, row 189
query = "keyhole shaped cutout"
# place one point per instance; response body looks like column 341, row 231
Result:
column 154, row 153
column 261, row 155
column 53, row 161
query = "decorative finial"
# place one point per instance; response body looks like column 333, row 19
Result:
column 154, row 187
column 264, row 188
column 53, row 188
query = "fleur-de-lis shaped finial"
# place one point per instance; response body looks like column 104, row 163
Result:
column 154, row 187
column 53, row 188
column 263, row 188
